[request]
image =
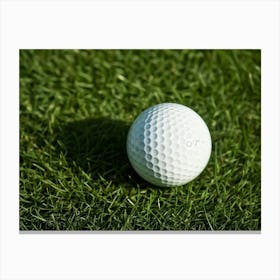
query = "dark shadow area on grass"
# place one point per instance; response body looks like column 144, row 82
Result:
column 98, row 147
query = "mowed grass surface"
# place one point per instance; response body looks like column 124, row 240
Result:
column 76, row 107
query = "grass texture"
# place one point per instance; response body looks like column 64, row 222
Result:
column 76, row 107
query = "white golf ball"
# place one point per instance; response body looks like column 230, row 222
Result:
column 169, row 144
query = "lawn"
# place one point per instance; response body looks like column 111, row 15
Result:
column 76, row 107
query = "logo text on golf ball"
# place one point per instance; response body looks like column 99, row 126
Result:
column 192, row 143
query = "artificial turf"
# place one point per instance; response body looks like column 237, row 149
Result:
column 76, row 107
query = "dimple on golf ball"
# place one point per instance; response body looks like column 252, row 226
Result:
column 168, row 145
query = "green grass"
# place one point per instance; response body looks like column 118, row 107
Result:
column 76, row 107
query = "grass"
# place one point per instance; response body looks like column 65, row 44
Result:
column 76, row 107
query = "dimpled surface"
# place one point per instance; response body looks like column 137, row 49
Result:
column 168, row 144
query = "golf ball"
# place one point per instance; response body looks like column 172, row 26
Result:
column 168, row 145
